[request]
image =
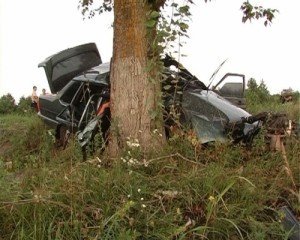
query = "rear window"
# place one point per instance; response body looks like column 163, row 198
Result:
column 70, row 92
column 72, row 66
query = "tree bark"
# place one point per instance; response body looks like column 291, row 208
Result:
column 133, row 96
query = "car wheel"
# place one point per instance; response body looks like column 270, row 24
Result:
column 62, row 137
column 66, row 137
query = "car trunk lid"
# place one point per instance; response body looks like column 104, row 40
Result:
column 63, row 66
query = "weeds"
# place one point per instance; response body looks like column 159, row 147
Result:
column 182, row 192
column 273, row 105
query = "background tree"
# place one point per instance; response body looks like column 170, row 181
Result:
column 257, row 93
column 251, row 84
column 7, row 104
column 135, row 85
column 24, row 105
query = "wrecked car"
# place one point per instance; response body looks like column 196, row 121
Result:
column 213, row 117
column 79, row 83
column 79, row 103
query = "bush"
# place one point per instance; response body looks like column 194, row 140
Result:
column 256, row 94
column 24, row 105
column 296, row 97
column 7, row 104
column 259, row 99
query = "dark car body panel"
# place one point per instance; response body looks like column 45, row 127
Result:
column 62, row 67
column 51, row 106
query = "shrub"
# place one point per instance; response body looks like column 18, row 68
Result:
column 296, row 97
column 255, row 94
column 258, row 99
column 7, row 104
column 24, row 105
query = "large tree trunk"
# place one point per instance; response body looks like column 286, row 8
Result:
column 133, row 96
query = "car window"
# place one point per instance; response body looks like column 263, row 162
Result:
column 232, row 89
column 231, row 86
column 70, row 92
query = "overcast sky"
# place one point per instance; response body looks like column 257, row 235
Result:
column 32, row 30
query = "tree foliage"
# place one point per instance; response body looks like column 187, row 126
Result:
column 257, row 93
column 251, row 12
column 90, row 8
column 170, row 19
column 24, row 105
column 7, row 104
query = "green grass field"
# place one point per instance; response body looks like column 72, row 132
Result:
column 181, row 192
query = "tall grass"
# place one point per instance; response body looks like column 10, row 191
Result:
column 181, row 192
column 274, row 105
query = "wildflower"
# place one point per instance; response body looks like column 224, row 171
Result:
column 142, row 199
column 37, row 197
column 169, row 194
column 128, row 195
column 131, row 161
column 143, row 205
column 145, row 163
column 139, row 190
column 211, row 198
column 133, row 143
column 131, row 221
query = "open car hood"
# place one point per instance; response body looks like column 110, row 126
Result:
column 63, row 66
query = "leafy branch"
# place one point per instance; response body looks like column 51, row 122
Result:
column 257, row 12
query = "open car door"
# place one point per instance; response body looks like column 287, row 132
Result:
column 232, row 87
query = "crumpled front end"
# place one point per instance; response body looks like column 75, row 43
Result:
column 215, row 119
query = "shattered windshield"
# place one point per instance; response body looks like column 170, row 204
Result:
column 206, row 119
